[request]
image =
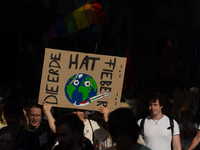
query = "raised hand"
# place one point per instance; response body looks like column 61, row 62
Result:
column 105, row 112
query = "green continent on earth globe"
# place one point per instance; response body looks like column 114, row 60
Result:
column 80, row 88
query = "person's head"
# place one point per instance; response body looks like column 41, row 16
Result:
column 13, row 111
column 79, row 112
column 187, row 116
column 123, row 128
column 131, row 90
column 34, row 114
column 167, row 109
column 155, row 103
column 69, row 131
column 7, row 139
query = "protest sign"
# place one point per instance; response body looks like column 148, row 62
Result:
column 185, row 101
column 81, row 80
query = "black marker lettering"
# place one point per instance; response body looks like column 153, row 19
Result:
column 111, row 63
column 56, row 64
column 108, row 83
column 52, row 90
column 106, row 73
column 54, row 101
column 85, row 62
column 73, row 62
column 51, row 71
column 52, row 79
column 105, row 88
column 55, row 58
column 102, row 103
column 93, row 62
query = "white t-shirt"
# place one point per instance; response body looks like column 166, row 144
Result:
column 158, row 137
column 199, row 127
column 185, row 138
column 99, row 132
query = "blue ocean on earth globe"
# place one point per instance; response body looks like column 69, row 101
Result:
column 80, row 88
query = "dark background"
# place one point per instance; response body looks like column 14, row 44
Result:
column 141, row 27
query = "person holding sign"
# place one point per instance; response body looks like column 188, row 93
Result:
column 93, row 130
column 39, row 126
column 25, row 140
column 195, row 140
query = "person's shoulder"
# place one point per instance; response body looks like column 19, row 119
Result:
column 93, row 122
column 139, row 121
column 170, row 117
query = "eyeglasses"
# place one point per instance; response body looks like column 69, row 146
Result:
column 33, row 116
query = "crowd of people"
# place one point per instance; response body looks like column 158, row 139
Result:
column 147, row 121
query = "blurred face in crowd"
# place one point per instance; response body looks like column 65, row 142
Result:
column 65, row 136
column 155, row 108
column 131, row 91
column 6, row 142
column 123, row 142
column 34, row 117
column 187, row 116
column 80, row 113
column 13, row 120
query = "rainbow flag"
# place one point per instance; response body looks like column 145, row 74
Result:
column 89, row 13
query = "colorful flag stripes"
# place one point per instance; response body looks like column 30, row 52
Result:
column 89, row 13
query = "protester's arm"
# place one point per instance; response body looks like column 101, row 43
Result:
column 105, row 113
column 50, row 118
column 195, row 141
column 176, row 142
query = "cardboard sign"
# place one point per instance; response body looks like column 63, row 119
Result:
column 81, row 80
column 185, row 101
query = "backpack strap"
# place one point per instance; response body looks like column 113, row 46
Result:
column 142, row 125
column 171, row 125
column 92, row 133
column 171, row 121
